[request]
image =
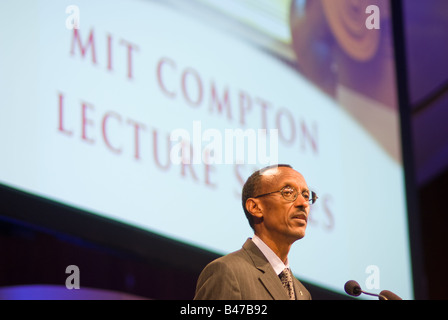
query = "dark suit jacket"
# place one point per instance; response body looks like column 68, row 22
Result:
column 244, row 275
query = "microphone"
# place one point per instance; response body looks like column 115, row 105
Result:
column 389, row 295
column 353, row 288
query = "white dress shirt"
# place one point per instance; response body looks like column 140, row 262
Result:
column 273, row 259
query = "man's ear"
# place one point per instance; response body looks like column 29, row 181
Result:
column 254, row 207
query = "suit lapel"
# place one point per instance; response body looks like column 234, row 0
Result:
column 268, row 277
column 300, row 295
column 274, row 286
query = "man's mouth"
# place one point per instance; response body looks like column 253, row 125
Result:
column 300, row 216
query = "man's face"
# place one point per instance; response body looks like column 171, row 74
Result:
column 282, row 219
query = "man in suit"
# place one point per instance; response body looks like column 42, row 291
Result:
column 276, row 201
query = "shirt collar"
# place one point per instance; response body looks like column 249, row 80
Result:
column 273, row 259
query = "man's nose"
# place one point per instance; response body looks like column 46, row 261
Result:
column 301, row 201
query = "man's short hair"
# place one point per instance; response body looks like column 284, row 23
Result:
column 252, row 188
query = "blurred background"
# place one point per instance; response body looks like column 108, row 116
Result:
column 40, row 237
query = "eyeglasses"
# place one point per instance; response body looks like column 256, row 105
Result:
column 290, row 194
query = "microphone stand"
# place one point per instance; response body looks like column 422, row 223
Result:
column 380, row 297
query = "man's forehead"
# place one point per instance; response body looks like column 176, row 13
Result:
column 279, row 173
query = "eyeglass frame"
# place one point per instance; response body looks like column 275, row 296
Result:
column 311, row 200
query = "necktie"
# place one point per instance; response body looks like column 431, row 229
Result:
column 286, row 278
